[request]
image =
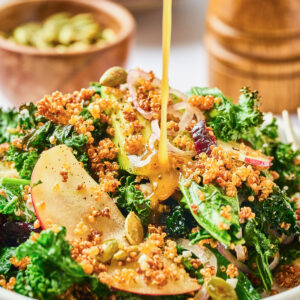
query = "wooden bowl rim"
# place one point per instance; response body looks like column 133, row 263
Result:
column 115, row 10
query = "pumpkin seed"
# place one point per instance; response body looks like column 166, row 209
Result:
column 134, row 230
column 114, row 77
column 109, row 248
column 219, row 289
column 120, row 255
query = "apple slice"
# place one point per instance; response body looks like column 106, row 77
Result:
column 247, row 154
column 61, row 203
column 183, row 285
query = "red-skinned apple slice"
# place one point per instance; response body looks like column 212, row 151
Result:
column 61, row 203
column 183, row 285
column 243, row 155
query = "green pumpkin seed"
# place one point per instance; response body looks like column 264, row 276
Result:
column 134, row 230
column 114, row 77
column 219, row 289
column 120, row 255
column 109, row 248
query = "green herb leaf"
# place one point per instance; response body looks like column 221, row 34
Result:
column 5, row 254
column 130, row 199
column 208, row 212
column 51, row 270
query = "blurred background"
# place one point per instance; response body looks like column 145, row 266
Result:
column 188, row 61
column 223, row 43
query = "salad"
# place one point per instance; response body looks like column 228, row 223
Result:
column 87, row 212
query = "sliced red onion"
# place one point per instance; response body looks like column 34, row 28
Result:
column 198, row 113
column 206, row 257
column 202, row 294
column 242, row 267
column 180, row 152
column 232, row 281
column 133, row 80
column 140, row 161
column 178, row 106
column 186, row 119
column 240, row 253
column 275, row 262
column 179, row 94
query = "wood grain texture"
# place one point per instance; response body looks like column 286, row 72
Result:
column 27, row 74
column 256, row 43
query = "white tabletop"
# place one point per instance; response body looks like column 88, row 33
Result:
column 188, row 63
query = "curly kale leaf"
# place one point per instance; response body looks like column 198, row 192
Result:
column 232, row 122
column 37, row 140
column 199, row 235
column 13, row 202
column 289, row 253
column 5, row 254
column 51, row 270
column 8, row 120
column 24, row 161
column 130, row 199
column 177, row 223
column 263, row 250
column 27, row 116
column 284, row 165
column 275, row 210
column 100, row 129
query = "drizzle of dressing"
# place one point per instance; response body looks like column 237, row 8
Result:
column 165, row 181
column 162, row 175
column 167, row 26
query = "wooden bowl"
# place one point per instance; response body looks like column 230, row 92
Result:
column 27, row 74
column 256, row 43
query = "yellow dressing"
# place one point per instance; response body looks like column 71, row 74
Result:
column 163, row 178
column 167, row 26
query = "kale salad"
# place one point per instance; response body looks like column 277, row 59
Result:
column 87, row 211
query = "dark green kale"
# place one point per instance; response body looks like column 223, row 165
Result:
column 12, row 203
column 5, row 254
column 198, row 236
column 8, row 121
column 178, row 223
column 244, row 288
column 232, row 122
column 275, row 210
column 24, row 161
column 284, row 164
column 130, row 199
column 100, row 129
column 208, row 213
column 289, row 253
column 261, row 249
column 37, row 139
column 52, row 270
column 27, row 118
column 186, row 262
column 96, row 86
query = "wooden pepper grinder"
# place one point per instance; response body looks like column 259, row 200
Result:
column 256, row 43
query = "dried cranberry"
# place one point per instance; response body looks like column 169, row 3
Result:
column 16, row 233
column 203, row 139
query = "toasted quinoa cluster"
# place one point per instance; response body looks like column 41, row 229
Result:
column 228, row 172
column 203, row 103
column 288, row 276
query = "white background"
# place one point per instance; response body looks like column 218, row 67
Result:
column 188, row 63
